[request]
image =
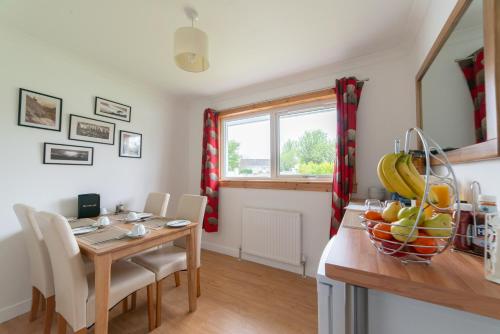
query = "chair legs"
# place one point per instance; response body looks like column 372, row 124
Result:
column 125, row 305
column 49, row 313
column 177, row 277
column 151, row 307
column 35, row 302
column 61, row 324
column 134, row 301
column 159, row 292
column 198, row 286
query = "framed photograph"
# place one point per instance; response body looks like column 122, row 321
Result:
column 91, row 130
column 61, row 154
column 112, row 109
column 37, row 110
column 130, row 144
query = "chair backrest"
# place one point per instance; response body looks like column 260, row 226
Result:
column 157, row 204
column 40, row 267
column 70, row 279
column 192, row 208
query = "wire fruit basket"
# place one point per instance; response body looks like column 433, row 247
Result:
column 428, row 236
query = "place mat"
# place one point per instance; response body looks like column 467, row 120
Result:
column 155, row 223
column 101, row 238
column 81, row 222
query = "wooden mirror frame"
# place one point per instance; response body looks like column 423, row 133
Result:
column 491, row 30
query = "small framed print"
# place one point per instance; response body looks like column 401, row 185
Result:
column 130, row 144
column 91, row 130
column 111, row 109
column 37, row 110
column 61, row 154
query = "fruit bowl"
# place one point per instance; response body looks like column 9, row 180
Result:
column 414, row 244
column 420, row 232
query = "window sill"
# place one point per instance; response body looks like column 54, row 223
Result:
column 302, row 185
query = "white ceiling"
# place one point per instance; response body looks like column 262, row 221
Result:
column 251, row 41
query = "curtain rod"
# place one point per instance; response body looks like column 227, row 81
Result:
column 284, row 97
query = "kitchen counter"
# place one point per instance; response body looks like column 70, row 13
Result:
column 453, row 279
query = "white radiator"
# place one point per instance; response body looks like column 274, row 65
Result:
column 272, row 234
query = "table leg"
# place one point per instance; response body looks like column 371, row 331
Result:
column 191, row 267
column 102, row 280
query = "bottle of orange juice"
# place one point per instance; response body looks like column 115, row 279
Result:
column 442, row 192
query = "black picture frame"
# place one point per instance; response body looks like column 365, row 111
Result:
column 22, row 110
column 97, row 102
column 120, row 151
column 52, row 161
column 74, row 136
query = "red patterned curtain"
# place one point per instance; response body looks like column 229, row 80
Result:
column 348, row 91
column 473, row 69
column 210, row 170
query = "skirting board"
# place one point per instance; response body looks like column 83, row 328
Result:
column 234, row 252
column 15, row 310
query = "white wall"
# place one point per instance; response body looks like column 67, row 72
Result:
column 32, row 65
column 385, row 97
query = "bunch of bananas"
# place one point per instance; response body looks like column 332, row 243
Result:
column 398, row 174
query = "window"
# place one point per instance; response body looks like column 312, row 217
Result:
column 247, row 147
column 284, row 143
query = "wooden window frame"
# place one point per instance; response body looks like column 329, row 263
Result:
column 285, row 183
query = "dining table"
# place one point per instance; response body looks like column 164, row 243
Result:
column 103, row 254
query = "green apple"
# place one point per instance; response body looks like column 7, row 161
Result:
column 411, row 212
column 401, row 230
column 390, row 213
column 439, row 225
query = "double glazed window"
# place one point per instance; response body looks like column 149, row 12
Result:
column 283, row 143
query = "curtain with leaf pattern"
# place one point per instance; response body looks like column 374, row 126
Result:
column 210, row 170
column 473, row 69
column 348, row 92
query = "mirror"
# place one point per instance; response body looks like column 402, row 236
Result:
column 453, row 94
column 452, row 85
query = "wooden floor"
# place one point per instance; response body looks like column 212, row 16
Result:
column 236, row 297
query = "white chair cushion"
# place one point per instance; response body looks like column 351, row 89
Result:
column 126, row 277
column 163, row 261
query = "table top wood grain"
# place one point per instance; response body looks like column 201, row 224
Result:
column 127, row 246
column 453, row 279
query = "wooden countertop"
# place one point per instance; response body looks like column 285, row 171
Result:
column 454, row 279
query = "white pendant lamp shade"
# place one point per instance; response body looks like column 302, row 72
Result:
column 191, row 49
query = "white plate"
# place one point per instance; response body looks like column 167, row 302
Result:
column 84, row 229
column 178, row 223
column 136, row 236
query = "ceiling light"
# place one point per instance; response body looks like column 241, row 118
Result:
column 191, row 46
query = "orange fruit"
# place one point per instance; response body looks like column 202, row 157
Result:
column 382, row 231
column 424, row 242
column 373, row 215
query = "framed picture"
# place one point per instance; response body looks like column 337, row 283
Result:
column 112, row 109
column 130, row 144
column 37, row 110
column 91, row 130
column 61, row 154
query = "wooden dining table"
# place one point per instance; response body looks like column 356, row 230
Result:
column 104, row 254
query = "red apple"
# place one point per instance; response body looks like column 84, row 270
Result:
column 388, row 246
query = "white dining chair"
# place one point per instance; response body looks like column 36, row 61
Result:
column 157, row 204
column 172, row 259
column 74, row 288
column 42, row 282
